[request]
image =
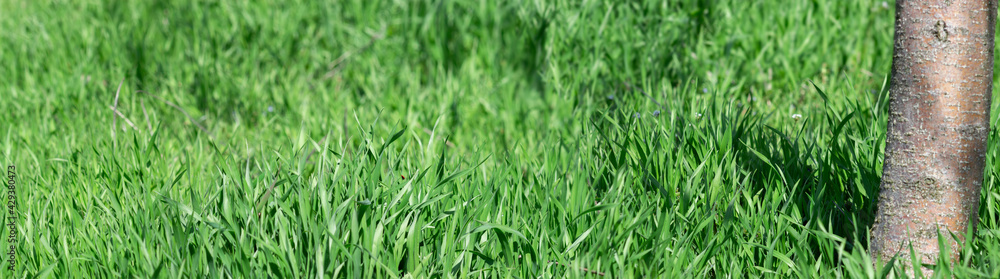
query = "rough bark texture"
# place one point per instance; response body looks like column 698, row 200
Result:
column 942, row 74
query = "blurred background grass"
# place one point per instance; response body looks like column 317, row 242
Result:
column 451, row 138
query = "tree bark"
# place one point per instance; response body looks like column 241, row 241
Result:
column 941, row 85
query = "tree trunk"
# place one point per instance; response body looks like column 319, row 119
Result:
column 942, row 81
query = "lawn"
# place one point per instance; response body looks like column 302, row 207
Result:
column 451, row 138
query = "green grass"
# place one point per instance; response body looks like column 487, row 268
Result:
column 452, row 138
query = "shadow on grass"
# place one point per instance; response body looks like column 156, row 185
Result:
column 808, row 184
column 826, row 169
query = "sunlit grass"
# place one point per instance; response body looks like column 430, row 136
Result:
column 472, row 139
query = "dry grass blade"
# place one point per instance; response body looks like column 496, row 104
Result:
column 202, row 128
column 127, row 121
column 114, row 117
